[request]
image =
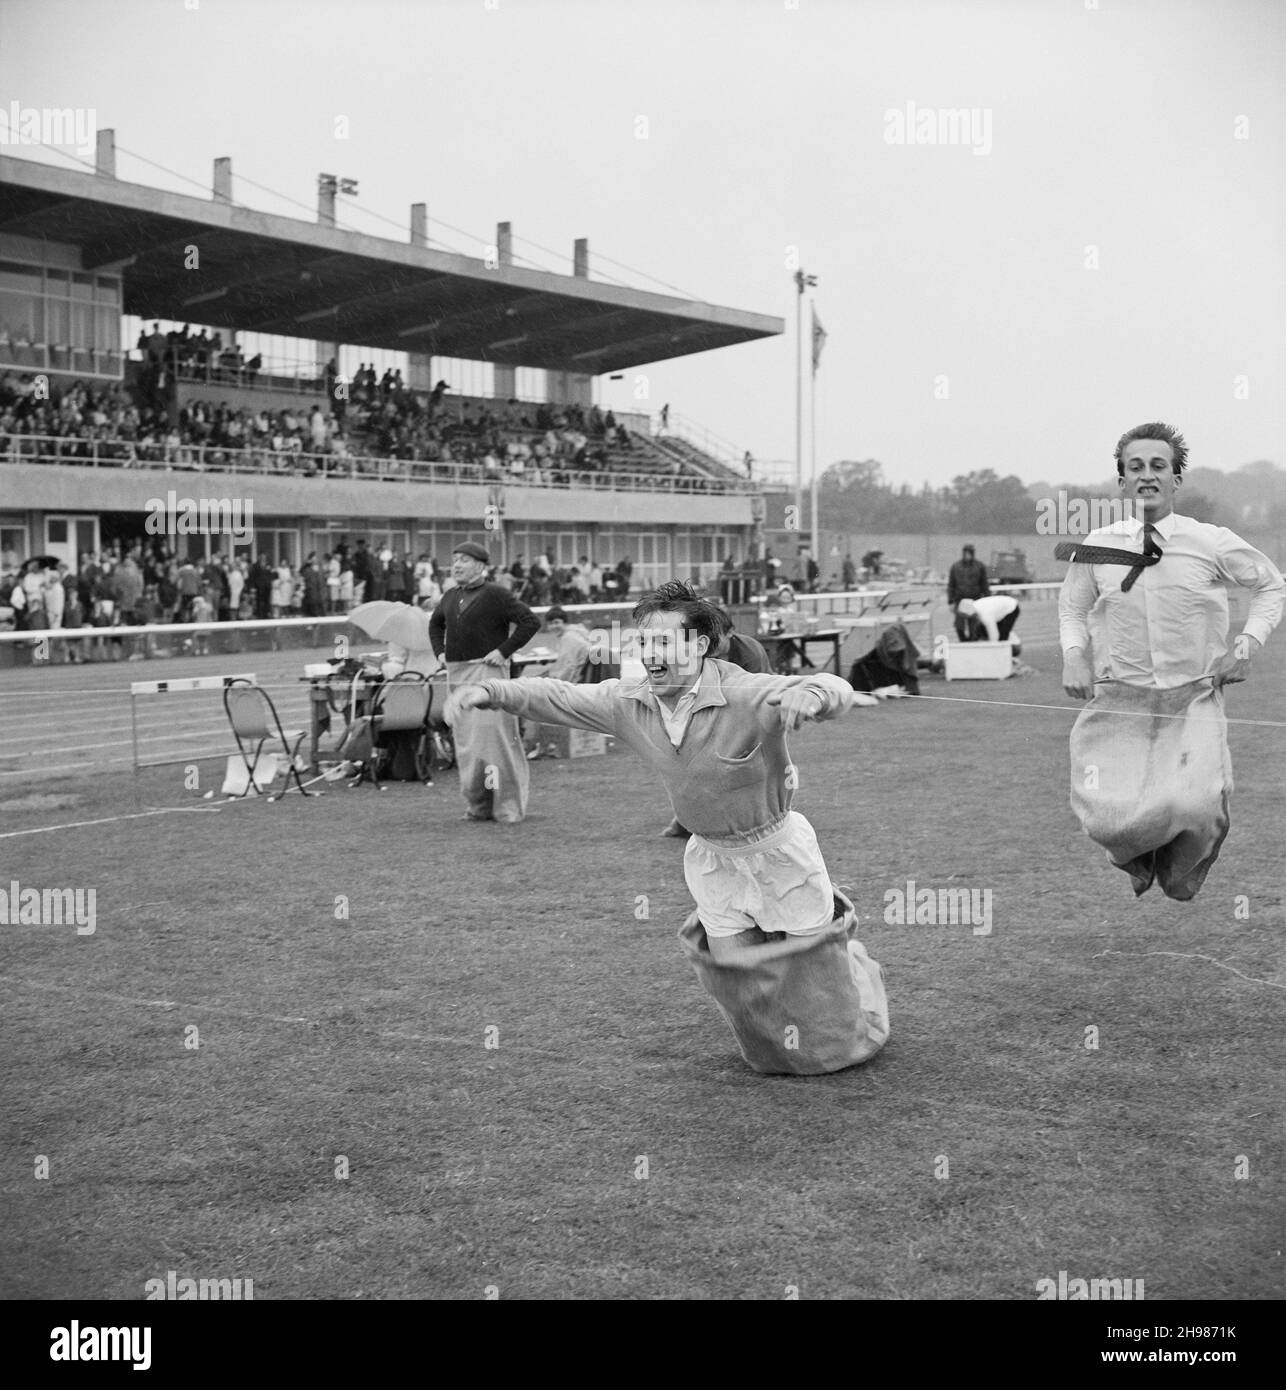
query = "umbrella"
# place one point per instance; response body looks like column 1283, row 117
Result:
column 44, row 562
column 393, row 622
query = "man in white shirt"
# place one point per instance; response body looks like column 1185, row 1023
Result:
column 996, row 615
column 1148, row 599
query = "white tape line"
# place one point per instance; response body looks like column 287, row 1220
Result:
column 111, row 820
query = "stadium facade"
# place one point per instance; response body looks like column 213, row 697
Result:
column 86, row 257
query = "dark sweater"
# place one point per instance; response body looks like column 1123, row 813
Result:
column 484, row 624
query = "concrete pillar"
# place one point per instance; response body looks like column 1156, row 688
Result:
column 419, row 365
column 580, row 258
column 105, row 154
column 505, row 243
column 223, row 180
column 325, row 203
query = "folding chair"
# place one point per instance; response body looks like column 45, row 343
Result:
column 249, row 708
column 401, row 705
column 441, row 741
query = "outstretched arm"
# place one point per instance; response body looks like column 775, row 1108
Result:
column 547, row 701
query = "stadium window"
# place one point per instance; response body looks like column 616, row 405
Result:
column 13, row 542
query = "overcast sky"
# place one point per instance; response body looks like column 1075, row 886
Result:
column 1112, row 126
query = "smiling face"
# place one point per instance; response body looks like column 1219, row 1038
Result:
column 670, row 656
column 1148, row 479
column 465, row 570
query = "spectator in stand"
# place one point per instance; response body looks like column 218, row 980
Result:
column 167, row 593
column 215, row 576
column 236, row 581
column 333, row 571
column 189, row 586
column 55, row 597
column 283, row 588
column 314, row 602
column 202, row 612
column 428, row 593
column 397, row 581
column 261, row 581
column 848, row 573
column 626, row 571
column 363, row 569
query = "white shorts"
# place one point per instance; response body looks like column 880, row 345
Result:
column 776, row 883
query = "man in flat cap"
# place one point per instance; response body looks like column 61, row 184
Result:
column 477, row 627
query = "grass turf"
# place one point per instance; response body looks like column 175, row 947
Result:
column 518, row 1166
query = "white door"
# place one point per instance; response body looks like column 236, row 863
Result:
column 68, row 537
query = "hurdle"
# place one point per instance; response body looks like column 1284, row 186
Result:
column 183, row 684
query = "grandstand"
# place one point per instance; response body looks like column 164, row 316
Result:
column 123, row 372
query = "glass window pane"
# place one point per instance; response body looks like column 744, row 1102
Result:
column 20, row 277
column 20, row 317
column 107, row 327
column 58, row 314
column 82, row 325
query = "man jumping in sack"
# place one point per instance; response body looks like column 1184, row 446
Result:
column 772, row 941
column 1151, row 775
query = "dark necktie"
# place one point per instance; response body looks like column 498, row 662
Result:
column 1150, row 548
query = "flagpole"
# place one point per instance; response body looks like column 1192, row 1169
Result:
column 799, row 404
column 802, row 282
column 812, row 433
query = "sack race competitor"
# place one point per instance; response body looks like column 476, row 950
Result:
column 796, row 1004
column 1152, row 779
column 772, row 942
column 1143, row 621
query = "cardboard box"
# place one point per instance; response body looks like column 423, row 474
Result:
column 979, row 661
column 562, row 742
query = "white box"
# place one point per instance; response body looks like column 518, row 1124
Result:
column 979, row 661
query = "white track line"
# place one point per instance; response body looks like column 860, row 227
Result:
column 111, row 820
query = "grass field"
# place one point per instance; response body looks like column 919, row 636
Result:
column 986, row 1148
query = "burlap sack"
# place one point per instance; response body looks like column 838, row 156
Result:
column 797, row 1004
column 1151, row 781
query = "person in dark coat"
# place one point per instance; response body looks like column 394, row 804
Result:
column 892, row 661
column 967, row 578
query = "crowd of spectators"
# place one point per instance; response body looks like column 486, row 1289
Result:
column 371, row 426
column 141, row 584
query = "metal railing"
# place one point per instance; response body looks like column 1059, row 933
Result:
column 257, row 459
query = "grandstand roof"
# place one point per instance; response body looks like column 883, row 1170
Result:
column 268, row 274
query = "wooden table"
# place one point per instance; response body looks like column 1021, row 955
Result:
column 775, row 642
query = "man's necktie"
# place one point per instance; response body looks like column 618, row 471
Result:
column 1150, row 549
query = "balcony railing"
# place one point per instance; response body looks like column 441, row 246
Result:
column 259, row 459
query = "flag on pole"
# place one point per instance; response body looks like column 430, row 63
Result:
column 819, row 338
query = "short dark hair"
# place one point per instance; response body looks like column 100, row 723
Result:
column 555, row 613
column 701, row 618
column 1167, row 434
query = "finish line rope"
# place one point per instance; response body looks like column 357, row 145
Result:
column 1072, row 709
